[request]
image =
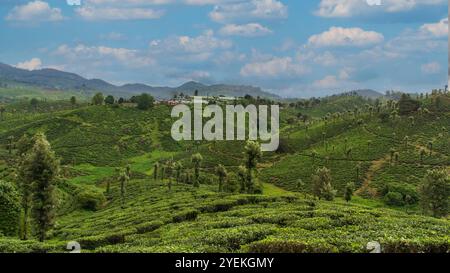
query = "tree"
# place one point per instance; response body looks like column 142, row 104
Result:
column 407, row 105
column 73, row 100
column 358, row 170
column 169, row 169
column 222, row 174
column 155, row 171
column 9, row 209
column 253, row 154
column 2, row 110
column 24, row 144
column 242, row 173
column 34, row 102
column 144, row 101
column 349, row 188
column 430, row 147
column 98, row 99
column 109, row 100
column 40, row 168
column 322, row 187
column 422, row 153
column 197, row 159
column 435, row 193
column 10, row 144
column 123, row 180
column 178, row 169
column 406, row 139
column 392, row 154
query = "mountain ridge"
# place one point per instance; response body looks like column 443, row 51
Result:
column 48, row 78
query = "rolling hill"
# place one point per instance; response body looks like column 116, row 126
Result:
column 92, row 141
column 58, row 80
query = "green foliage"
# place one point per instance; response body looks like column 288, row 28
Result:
column 322, row 187
column 91, row 199
column 109, row 100
column 144, row 101
column 393, row 198
column 9, row 209
column 407, row 105
column 435, row 192
column 349, row 189
column 98, row 99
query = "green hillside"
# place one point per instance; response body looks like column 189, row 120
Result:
column 385, row 153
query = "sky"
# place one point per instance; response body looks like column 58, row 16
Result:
column 293, row 48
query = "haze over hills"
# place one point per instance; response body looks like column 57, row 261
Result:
column 60, row 80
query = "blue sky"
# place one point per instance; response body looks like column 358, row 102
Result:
column 289, row 47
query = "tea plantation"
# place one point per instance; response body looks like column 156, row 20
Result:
column 384, row 153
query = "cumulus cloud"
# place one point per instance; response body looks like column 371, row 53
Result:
column 203, row 43
column 274, row 67
column 348, row 8
column 338, row 36
column 431, row 68
column 33, row 64
column 92, row 13
column 103, row 55
column 35, row 11
column 245, row 10
column 247, row 30
column 439, row 29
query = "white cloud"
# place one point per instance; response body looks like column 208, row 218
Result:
column 102, row 55
column 348, row 8
column 273, row 68
column 203, row 43
column 338, row 36
column 439, row 29
column 245, row 10
column 92, row 13
column 334, row 82
column 431, row 68
column 127, row 2
column 247, row 30
column 33, row 64
column 35, row 11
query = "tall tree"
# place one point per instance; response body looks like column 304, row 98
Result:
column 242, row 175
column 2, row 111
column 40, row 168
column 155, row 171
column 253, row 154
column 222, row 174
column 435, row 193
column 197, row 161
column 123, row 180
column 322, row 187
column 73, row 100
column 178, row 170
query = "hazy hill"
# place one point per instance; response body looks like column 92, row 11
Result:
column 60, row 80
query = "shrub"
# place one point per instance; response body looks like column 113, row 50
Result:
column 291, row 246
column 91, row 199
column 393, row 198
column 187, row 215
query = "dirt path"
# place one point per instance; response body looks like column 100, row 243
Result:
column 376, row 166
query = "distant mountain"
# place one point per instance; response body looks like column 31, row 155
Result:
column 60, row 80
column 368, row 93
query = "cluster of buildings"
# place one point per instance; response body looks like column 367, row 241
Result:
column 189, row 100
